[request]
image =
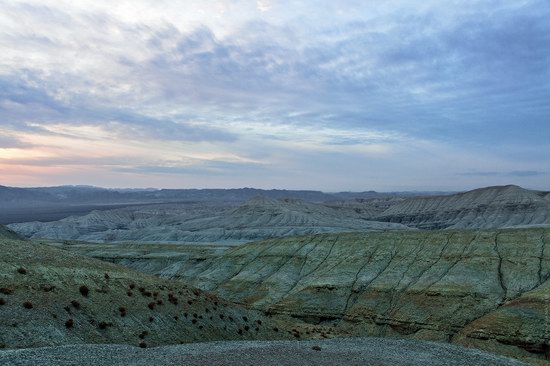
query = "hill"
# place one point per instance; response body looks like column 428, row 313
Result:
column 259, row 218
column 483, row 288
column 6, row 233
column 52, row 297
column 491, row 207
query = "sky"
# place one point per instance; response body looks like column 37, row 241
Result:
column 326, row 95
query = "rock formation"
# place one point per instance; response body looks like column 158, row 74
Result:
column 484, row 288
column 492, row 207
column 259, row 218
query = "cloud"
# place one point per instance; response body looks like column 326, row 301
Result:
column 360, row 81
column 514, row 173
column 11, row 142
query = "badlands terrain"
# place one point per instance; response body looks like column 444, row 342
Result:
column 262, row 217
column 58, row 308
column 469, row 269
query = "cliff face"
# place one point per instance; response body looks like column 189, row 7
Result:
column 492, row 207
column 484, row 288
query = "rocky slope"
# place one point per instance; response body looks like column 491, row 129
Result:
column 492, row 207
column 6, row 233
column 334, row 352
column 259, row 218
column 53, row 297
column 486, row 288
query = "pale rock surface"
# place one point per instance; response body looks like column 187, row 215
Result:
column 259, row 218
column 492, row 207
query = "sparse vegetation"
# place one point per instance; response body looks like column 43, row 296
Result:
column 84, row 290
column 6, row 291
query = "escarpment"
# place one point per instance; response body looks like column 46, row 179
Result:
column 486, row 288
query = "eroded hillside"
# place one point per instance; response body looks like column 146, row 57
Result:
column 259, row 218
column 491, row 207
column 53, row 297
column 485, row 288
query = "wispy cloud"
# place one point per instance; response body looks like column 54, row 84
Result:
column 169, row 80
column 514, row 173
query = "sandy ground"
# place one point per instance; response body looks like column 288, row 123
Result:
column 357, row 351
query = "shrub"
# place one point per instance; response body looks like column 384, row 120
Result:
column 257, row 329
column 6, row 291
column 2, row 301
column 27, row 305
column 47, row 288
column 151, row 319
column 142, row 345
column 129, row 293
column 69, row 323
column 84, row 290
column 245, row 318
column 275, row 329
column 103, row 325
column 132, row 286
column 151, row 305
column 316, row 348
column 259, row 322
column 75, row 304
column 240, row 331
column 176, row 317
column 194, row 321
column 247, row 328
column 106, row 275
column 21, row 270
column 222, row 316
column 160, row 302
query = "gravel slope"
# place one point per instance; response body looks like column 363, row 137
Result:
column 358, row 351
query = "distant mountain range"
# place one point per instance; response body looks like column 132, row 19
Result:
column 264, row 217
column 54, row 203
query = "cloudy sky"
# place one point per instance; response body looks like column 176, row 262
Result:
column 329, row 95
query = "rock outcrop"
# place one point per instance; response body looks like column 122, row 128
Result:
column 492, row 207
column 484, row 288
